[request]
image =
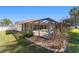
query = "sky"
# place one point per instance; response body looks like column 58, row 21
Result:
column 20, row 13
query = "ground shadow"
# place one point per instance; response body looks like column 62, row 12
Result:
column 74, row 38
column 73, row 49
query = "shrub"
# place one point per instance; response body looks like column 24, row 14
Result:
column 28, row 33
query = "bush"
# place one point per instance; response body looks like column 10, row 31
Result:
column 28, row 33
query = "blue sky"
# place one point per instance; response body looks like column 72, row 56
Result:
column 19, row 13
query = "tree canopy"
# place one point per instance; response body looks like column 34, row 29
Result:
column 74, row 12
column 6, row 22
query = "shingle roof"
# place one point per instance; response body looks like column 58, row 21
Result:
column 28, row 20
column 32, row 20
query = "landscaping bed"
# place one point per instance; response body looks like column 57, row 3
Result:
column 45, row 43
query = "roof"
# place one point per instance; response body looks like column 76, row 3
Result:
column 45, row 20
column 28, row 20
column 37, row 21
column 48, row 19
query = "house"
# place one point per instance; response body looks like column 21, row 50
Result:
column 40, row 27
column 27, row 24
column 33, row 24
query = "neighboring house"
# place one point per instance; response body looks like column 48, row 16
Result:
column 0, row 24
column 73, row 26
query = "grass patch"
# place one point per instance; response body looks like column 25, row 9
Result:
column 73, row 41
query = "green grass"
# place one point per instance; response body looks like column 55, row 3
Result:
column 73, row 41
column 74, row 30
column 11, row 43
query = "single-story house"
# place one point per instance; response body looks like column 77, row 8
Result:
column 40, row 27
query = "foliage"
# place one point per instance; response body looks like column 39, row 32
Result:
column 74, row 12
column 6, row 22
column 69, row 21
column 28, row 33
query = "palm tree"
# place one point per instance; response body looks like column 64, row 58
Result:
column 6, row 22
column 74, row 12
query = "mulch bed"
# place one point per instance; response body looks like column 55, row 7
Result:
column 43, row 43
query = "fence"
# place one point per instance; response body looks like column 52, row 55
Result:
column 5, row 28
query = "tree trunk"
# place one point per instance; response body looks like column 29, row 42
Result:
column 75, row 22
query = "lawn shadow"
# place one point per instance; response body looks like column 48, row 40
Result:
column 73, row 49
column 10, row 48
column 18, row 48
column 74, row 38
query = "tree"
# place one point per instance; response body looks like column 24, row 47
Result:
column 74, row 12
column 6, row 22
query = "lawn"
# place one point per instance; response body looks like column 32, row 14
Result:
column 73, row 41
column 11, row 43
